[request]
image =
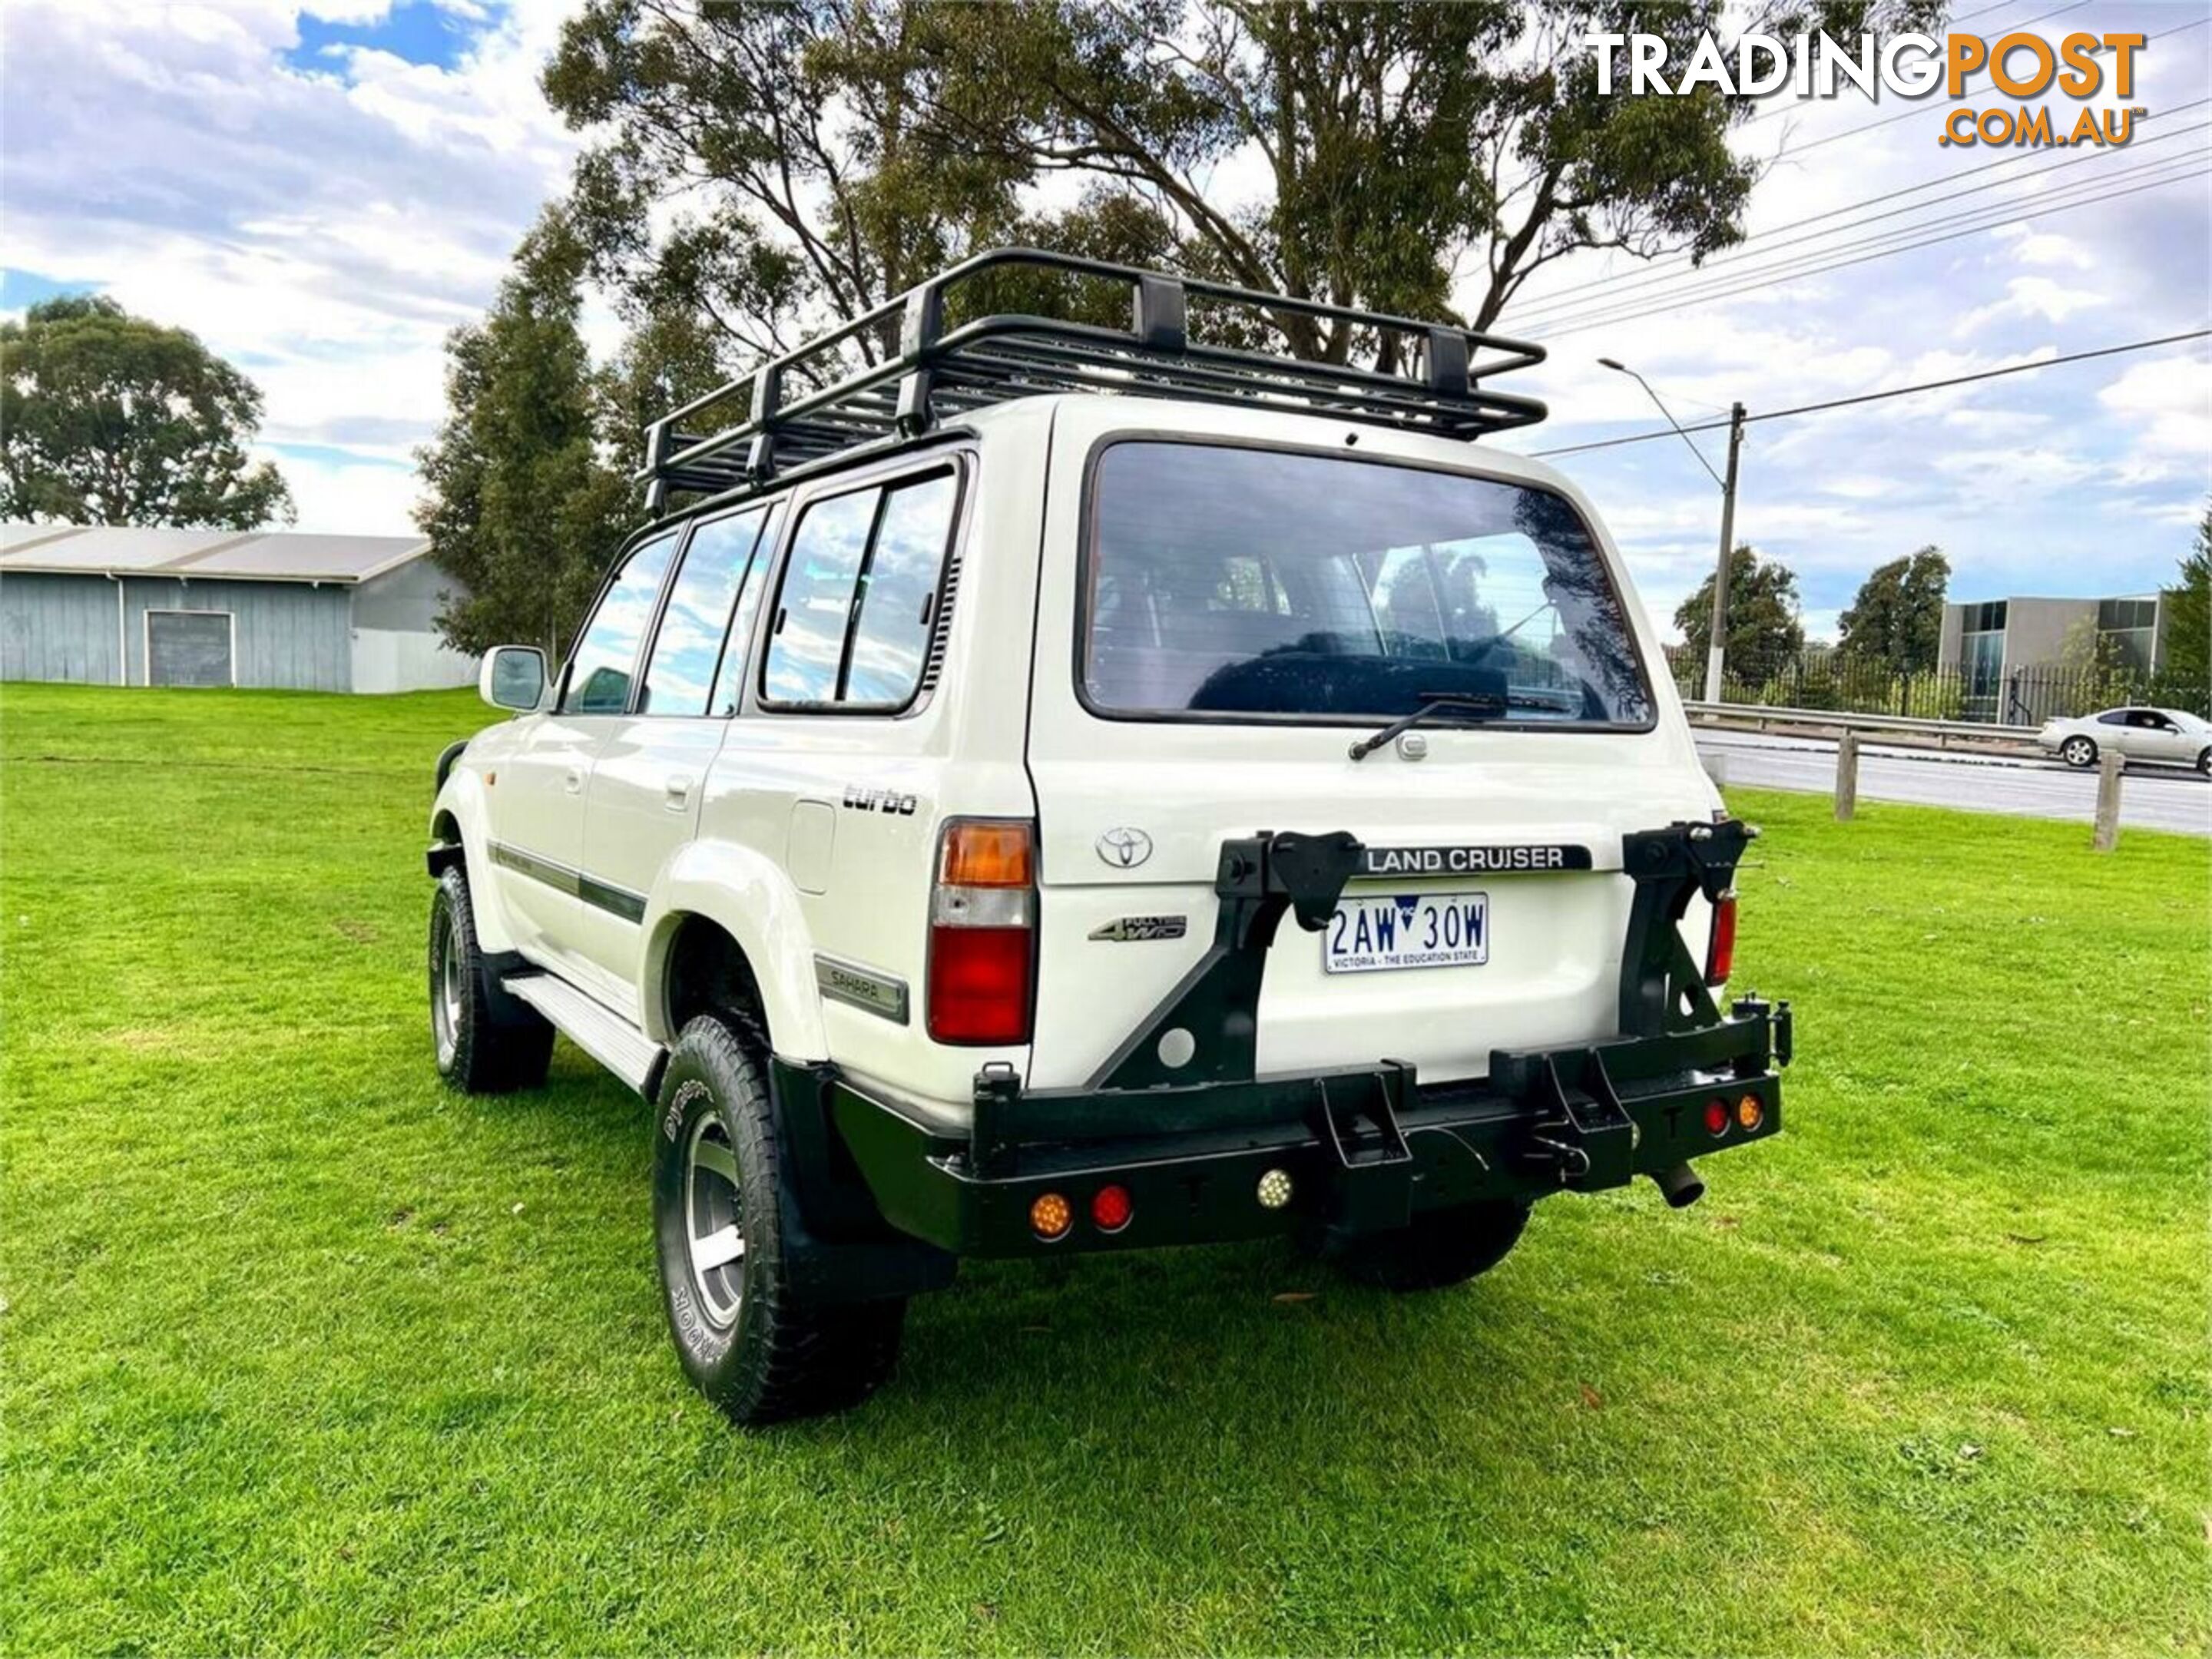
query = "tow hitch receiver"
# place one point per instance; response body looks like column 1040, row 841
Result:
column 1582, row 1131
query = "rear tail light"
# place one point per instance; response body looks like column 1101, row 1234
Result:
column 982, row 913
column 1716, row 1118
column 1111, row 1208
column 1720, row 954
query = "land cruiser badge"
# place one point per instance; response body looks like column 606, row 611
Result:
column 1123, row 848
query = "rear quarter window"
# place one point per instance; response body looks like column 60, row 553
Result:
column 859, row 603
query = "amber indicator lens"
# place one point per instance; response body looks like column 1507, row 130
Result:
column 1050, row 1217
column 985, row 853
column 1749, row 1112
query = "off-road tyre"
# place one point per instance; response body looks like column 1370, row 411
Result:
column 747, row 1342
column 2079, row 753
column 1442, row 1248
column 486, row 1041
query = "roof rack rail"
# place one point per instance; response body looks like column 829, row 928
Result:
column 802, row 410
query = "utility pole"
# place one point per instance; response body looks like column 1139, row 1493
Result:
column 1716, row 646
column 1713, row 647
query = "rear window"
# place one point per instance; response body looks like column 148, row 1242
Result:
column 1225, row 583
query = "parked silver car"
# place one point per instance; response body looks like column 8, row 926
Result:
column 2162, row 736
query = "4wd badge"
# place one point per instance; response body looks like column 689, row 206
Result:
column 1124, row 848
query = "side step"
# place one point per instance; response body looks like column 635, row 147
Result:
column 592, row 1026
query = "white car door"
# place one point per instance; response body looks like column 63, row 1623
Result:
column 535, row 795
column 643, row 799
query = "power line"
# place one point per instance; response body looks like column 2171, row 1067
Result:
column 1676, row 266
column 2010, row 213
column 1877, row 397
column 1589, row 322
column 1586, row 323
column 1738, row 278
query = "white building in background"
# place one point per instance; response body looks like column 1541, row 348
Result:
column 102, row 605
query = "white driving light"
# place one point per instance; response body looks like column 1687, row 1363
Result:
column 1274, row 1189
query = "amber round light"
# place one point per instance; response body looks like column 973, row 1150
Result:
column 1111, row 1208
column 1749, row 1113
column 1717, row 1117
column 1050, row 1218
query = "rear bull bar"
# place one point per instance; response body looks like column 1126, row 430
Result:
column 1206, row 1150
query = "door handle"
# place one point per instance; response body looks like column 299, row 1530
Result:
column 575, row 780
column 679, row 790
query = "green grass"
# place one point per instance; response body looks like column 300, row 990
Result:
column 302, row 1353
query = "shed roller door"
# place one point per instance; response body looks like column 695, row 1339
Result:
column 188, row 647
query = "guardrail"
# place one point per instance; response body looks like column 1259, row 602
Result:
column 1985, row 736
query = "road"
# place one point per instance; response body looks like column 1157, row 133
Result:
column 2150, row 799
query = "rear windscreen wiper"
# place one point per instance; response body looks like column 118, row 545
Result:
column 1471, row 705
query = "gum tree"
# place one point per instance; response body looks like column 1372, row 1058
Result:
column 108, row 418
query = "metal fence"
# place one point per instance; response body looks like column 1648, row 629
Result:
column 2018, row 696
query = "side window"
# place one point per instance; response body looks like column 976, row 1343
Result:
column 858, row 600
column 2113, row 717
column 606, row 658
column 730, row 682
column 807, row 647
column 681, row 671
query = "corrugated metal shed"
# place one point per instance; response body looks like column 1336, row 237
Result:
column 110, row 605
column 262, row 556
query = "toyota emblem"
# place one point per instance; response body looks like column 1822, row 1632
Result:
column 1125, row 848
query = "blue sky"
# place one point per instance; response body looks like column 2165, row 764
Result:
column 415, row 31
column 322, row 192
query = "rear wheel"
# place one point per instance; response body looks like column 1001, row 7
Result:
column 2078, row 751
column 747, row 1339
column 486, row 1041
column 1441, row 1248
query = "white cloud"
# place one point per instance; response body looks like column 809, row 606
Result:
column 348, row 496
column 2169, row 402
column 1857, row 487
column 2036, row 297
column 2031, row 247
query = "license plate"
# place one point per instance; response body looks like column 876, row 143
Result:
column 1370, row 935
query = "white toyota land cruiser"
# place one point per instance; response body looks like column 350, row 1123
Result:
column 915, row 820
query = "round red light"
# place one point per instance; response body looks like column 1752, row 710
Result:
column 1111, row 1208
column 1717, row 1117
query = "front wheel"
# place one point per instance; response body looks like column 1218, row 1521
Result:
column 2204, row 763
column 486, row 1041
column 2078, row 751
column 749, row 1341
column 1440, row 1249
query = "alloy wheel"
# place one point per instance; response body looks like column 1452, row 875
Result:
column 447, row 987
column 713, row 1215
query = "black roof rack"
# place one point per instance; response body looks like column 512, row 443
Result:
column 803, row 409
